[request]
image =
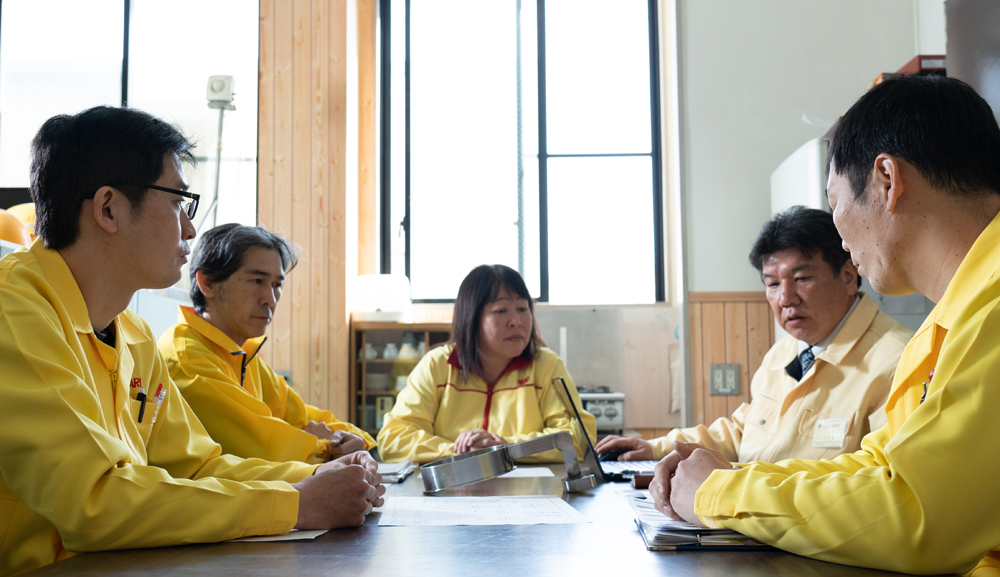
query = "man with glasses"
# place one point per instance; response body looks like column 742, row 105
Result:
column 98, row 449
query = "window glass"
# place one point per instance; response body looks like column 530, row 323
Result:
column 56, row 57
column 464, row 141
column 474, row 168
column 601, row 230
column 597, row 76
column 173, row 49
column 397, row 126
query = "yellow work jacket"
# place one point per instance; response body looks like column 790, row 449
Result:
column 437, row 405
column 79, row 471
column 846, row 387
column 262, row 418
column 921, row 495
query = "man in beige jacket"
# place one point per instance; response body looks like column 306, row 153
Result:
column 819, row 391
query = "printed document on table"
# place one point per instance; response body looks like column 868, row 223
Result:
column 522, row 472
column 507, row 510
column 293, row 535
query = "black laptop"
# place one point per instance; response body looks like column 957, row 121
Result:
column 614, row 471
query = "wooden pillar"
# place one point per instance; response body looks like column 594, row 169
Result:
column 367, row 158
column 303, row 146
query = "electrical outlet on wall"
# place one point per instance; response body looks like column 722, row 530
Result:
column 724, row 379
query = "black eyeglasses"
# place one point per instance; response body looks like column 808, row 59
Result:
column 190, row 207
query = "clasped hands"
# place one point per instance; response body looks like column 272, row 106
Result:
column 678, row 476
column 475, row 439
column 341, row 442
column 340, row 493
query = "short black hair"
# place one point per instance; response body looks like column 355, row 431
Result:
column 807, row 230
column 219, row 253
column 937, row 124
column 73, row 156
column 480, row 288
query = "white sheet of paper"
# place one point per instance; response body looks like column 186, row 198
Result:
column 293, row 535
column 393, row 468
column 528, row 472
column 507, row 510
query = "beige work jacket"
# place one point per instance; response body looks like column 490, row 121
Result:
column 840, row 399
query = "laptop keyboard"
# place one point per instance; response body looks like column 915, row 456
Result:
column 619, row 467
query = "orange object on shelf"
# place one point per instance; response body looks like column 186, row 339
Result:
column 26, row 214
column 12, row 229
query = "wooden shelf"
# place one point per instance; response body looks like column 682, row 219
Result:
column 430, row 334
column 401, row 327
column 388, row 362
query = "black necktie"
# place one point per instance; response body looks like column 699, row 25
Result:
column 800, row 365
column 806, row 358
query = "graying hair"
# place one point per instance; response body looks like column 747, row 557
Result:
column 219, row 254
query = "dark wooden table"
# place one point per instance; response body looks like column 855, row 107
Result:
column 608, row 545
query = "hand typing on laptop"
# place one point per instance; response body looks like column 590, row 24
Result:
column 631, row 448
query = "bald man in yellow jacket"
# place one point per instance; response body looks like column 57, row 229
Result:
column 98, row 450
column 915, row 190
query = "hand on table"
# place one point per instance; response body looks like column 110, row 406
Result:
column 476, row 439
column 344, row 443
column 632, row 448
column 678, row 476
column 340, row 493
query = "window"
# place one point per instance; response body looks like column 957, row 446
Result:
column 64, row 56
column 52, row 65
column 523, row 133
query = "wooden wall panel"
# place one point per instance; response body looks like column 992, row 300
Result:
column 367, row 159
column 731, row 327
column 281, row 327
column 319, row 199
column 265, row 131
column 713, row 326
column 760, row 331
column 699, row 387
column 302, row 187
column 737, row 350
column 300, row 301
column 339, row 320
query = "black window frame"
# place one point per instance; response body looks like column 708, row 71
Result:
column 385, row 192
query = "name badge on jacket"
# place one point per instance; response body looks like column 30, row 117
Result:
column 830, row 433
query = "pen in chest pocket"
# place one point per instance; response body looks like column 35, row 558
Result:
column 160, row 394
column 141, row 397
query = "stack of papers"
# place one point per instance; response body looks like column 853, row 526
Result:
column 505, row 510
column 661, row 533
column 396, row 472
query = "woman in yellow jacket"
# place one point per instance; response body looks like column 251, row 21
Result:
column 491, row 385
column 236, row 277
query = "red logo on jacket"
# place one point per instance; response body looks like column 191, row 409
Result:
column 136, row 383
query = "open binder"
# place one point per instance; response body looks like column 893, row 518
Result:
column 661, row 533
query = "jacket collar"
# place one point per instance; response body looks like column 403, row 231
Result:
column 516, row 364
column 852, row 330
column 188, row 316
column 977, row 268
column 63, row 283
